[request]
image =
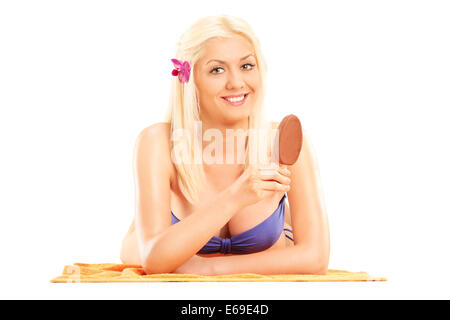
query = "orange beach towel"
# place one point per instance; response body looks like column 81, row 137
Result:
column 111, row 272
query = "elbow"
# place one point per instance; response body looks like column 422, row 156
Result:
column 321, row 268
column 321, row 256
column 151, row 267
column 154, row 263
column 128, row 253
column 318, row 266
column 316, row 261
column 320, row 263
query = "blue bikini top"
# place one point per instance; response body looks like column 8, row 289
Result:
column 258, row 238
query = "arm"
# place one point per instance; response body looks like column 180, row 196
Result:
column 163, row 247
column 180, row 242
column 289, row 260
column 307, row 206
column 310, row 253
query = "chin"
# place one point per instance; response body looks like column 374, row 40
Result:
column 232, row 115
column 233, row 119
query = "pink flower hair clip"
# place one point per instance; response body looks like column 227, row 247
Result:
column 182, row 70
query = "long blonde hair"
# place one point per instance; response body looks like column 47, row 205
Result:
column 184, row 106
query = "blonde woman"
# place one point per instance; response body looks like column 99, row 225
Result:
column 242, row 215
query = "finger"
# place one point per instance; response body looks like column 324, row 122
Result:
column 268, row 166
column 274, row 186
column 275, row 175
column 284, row 170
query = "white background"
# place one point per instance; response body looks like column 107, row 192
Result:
column 370, row 81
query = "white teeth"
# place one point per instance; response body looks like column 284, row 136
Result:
column 236, row 99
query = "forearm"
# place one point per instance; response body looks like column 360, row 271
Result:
column 290, row 260
column 181, row 241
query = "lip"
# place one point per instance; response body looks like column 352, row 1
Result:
column 237, row 103
column 235, row 95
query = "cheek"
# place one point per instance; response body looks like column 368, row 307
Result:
column 210, row 94
column 205, row 89
column 213, row 88
column 253, row 81
column 256, row 80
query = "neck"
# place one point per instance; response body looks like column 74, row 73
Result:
column 233, row 145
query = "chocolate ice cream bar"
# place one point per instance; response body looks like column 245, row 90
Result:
column 290, row 139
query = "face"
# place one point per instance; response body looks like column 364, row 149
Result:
column 227, row 68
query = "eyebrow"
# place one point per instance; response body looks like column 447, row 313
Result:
column 220, row 61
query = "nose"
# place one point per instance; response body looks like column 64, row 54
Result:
column 234, row 80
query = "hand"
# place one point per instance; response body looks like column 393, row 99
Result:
column 257, row 183
column 196, row 265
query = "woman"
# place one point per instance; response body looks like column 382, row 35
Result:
column 222, row 217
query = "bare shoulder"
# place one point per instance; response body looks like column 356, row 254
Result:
column 152, row 171
column 156, row 131
column 154, row 141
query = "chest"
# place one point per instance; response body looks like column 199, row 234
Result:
column 218, row 179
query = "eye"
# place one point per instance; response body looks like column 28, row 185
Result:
column 215, row 69
column 249, row 64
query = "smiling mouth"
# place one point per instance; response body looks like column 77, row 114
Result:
column 235, row 101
